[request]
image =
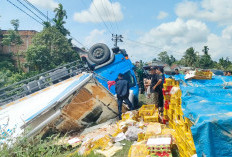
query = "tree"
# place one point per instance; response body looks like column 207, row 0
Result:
column 224, row 63
column 56, row 46
column 190, row 57
column 59, row 20
column 12, row 38
column 172, row 59
column 38, row 58
column 206, row 62
column 164, row 57
column 205, row 50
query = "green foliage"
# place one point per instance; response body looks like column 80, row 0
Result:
column 60, row 16
column 224, row 64
column 190, row 57
column 15, row 24
column 38, row 58
column 34, row 147
column 55, row 48
column 6, row 62
column 164, row 57
column 206, row 62
column 12, row 38
column 205, row 50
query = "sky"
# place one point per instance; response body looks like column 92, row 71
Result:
column 148, row 26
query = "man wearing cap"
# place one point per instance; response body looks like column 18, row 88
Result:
column 122, row 91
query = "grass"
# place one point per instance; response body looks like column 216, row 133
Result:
column 144, row 100
column 120, row 153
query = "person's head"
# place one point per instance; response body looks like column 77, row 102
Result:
column 229, row 73
column 159, row 70
column 120, row 76
column 152, row 70
column 176, row 71
column 225, row 73
column 137, row 63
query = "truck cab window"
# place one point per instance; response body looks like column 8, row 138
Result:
column 129, row 77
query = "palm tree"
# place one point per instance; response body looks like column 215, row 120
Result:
column 59, row 19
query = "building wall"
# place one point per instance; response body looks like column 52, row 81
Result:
column 26, row 36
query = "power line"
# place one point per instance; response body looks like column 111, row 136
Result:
column 38, row 17
column 35, row 8
column 24, row 12
column 106, row 13
column 101, row 18
column 146, row 44
column 114, row 15
column 30, row 10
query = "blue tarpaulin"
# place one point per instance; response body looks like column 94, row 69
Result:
column 208, row 104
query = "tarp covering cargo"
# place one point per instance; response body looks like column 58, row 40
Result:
column 208, row 104
column 70, row 105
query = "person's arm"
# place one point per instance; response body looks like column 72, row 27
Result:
column 158, row 83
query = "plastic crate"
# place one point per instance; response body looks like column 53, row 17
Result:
column 167, row 97
column 125, row 116
column 141, row 136
column 169, row 88
column 169, row 82
column 147, row 110
column 138, row 151
column 154, row 118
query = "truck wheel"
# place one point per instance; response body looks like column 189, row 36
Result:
column 99, row 53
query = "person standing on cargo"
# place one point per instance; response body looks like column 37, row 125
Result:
column 154, row 94
column 158, row 88
column 122, row 91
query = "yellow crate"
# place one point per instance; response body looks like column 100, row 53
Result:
column 169, row 82
column 154, row 118
column 138, row 151
column 147, row 110
column 125, row 116
column 191, row 147
column 188, row 121
column 141, row 137
column 165, row 86
column 165, row 112
column 188, row 136
column 102, row 142
column 167, row 97
column 117, row 132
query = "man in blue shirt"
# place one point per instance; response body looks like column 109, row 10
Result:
column 122, row 91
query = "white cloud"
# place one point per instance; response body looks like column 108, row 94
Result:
column 227, row 32
column 177, row 36
column 162, row 15
column 100, row 10
column 47, row 4
column 219, row 11
column 179, row 31
column 95, row 36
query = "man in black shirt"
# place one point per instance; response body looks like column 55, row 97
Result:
column 122, row 91
column 158, row 88
column 154, row 94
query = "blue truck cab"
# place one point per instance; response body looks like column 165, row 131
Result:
column 108, row 70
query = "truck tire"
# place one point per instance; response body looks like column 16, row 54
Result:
column 99, row 53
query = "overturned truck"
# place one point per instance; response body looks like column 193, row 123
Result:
column 70, row 102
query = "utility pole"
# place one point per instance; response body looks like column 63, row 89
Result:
column 116, row 38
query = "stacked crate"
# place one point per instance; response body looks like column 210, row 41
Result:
column 184, row 139
column 149, row 113
column 167, row 87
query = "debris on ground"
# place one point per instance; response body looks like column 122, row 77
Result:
column 106, row 139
